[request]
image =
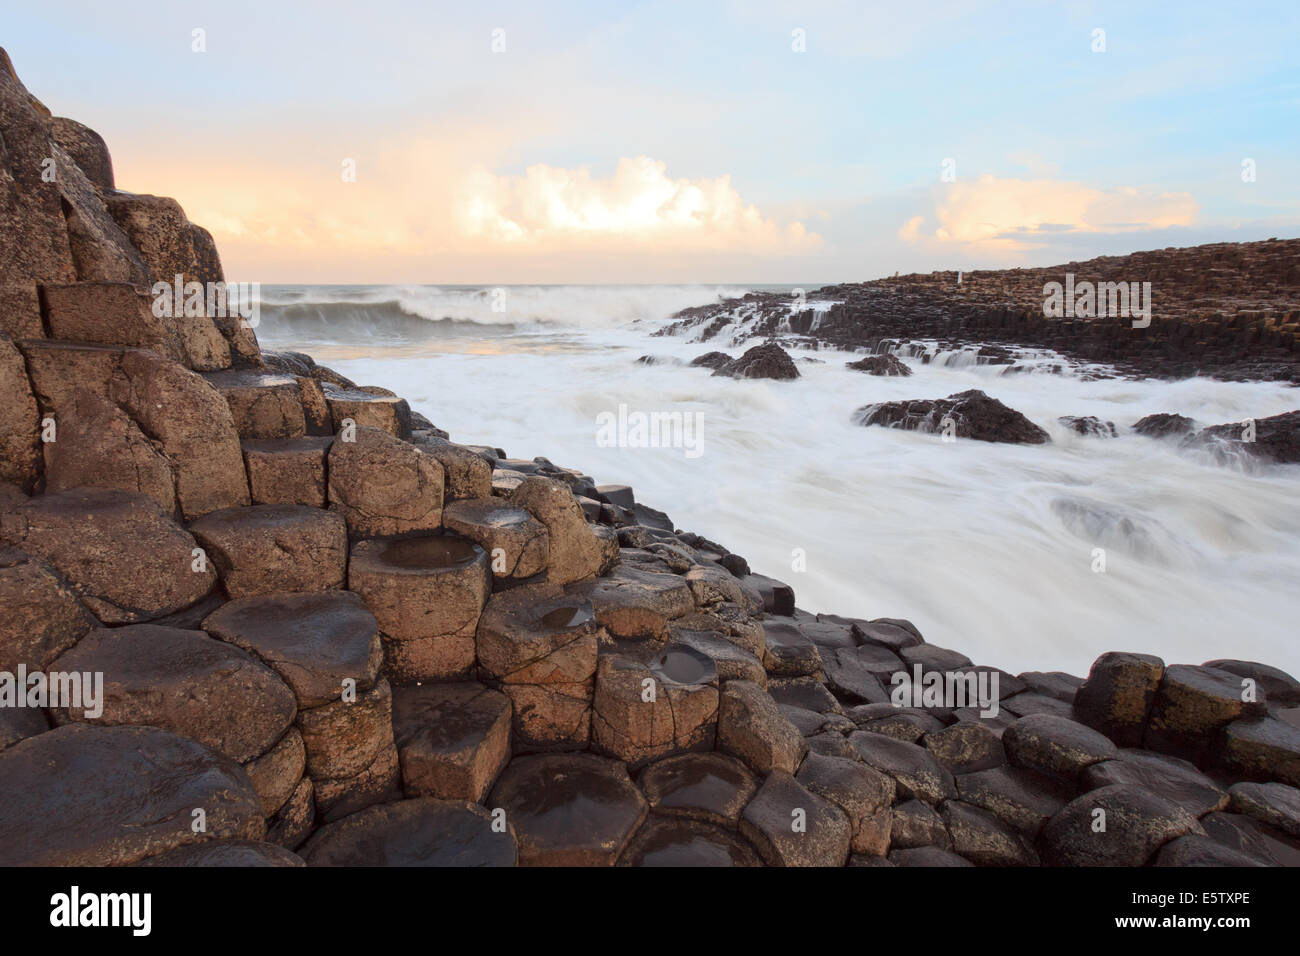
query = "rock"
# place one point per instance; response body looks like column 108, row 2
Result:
column 43, row 615
column 20, row 427
column 541, row 644
column 1274, row 439
column 681, row 843
column 731, row 661
column 1089, row 426
column 569, row 809
column 752, row 728
column 1053, row 744
column 86, row 148
column 125, row 559
column 384, row 486
column 315, row 642
column 424, row 832
column 762, row 361
column 85, row 795
column 277, row 773
column 1024, row 799
column 345, row 737
column 778, row 598
column 184, row 682
column 289, row 471
column 714, row 360
column 1137, row 823
column 807, row 693
column 635, row 604
column 880, row 365
column 916, row 824
column 575, row 553
column 927, row 856
column 19, row 723
column 264, row 404
column 338, row 797
column 1169, row 777
column 971, row 414
column 932, row 658
column 1272, row 803
column 791, row 826
column 20, row 312
column 294, row 821
column 982, row 838
column 1064, row 687
column 914, row 769
column 1194, row 850
column 1164, row 424
column 709, row 787
column 453, row 739
column 227, row 853
column 1028, row 702
column 1191, row 706
column 789, row 653
column 1257, row 840
column 426, row 593
column 268, row 549
column 366, row 408
column 1263, row 747
column 1278, row 686
column 1117, row 696
column 643, row 712
column 966, row 747
column 517, row 543
column 467, row 474
column 889, row 633
column 860, row 791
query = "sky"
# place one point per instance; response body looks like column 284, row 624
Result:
column 663, row 142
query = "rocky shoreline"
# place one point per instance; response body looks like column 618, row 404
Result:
column 325, row 633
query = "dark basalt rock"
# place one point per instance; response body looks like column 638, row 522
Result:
column 1274, row 439
column 1170, row 777
column 1193, row 850
column 762, row 361
column 880, row 365
column 972, row 414
column 713, row 360
column 227, row 853
column 678, row 842
column 705, row 786
column 1163, row 424
column 1137, row 824
column 423, row 832
column 1089, row 425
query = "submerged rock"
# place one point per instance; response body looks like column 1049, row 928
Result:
column 1089, row 425
column 880, row 365
column 1163, row 424
column 762, row 361
column 969, row 414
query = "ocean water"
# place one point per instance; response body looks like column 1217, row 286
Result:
column 990, row 549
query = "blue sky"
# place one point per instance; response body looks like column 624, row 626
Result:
column 673, row 142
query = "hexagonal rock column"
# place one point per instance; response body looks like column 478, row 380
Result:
column 427, row 593
column 424, row 832
column 1263, row 748
column 517, row 544
column 682, row 842
column 294, row 821
column 452, row 739
column 468, row 474
column 269, row 549
column 124, row 557
column 287, row 471
column 792, row 826
column 569, row 809
column 277, row 773
column 182, row 681
column 1117, row 696
column 117, row 795
column 575, row 553
column 641, row 712
column 120, row 313
column 368, row 407
column 1137, row 821
column 752, row 727
column 263, row 404
column 20, row 444
column 862, row 792
column 637, row 604
column 43, row 616
column 227, row 853
column 384, row 486
column 710, row 787
column 541, row 645
column 1192, row 705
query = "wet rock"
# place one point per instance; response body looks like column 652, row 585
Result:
column 880, row 365
column 1263, row 748
column 731, row 661
column 267, row 549
column 277, row 773
column 1117, row 696
column 1089, row 426
column 368, row 408
column 1054, row 744
column 423, row 832
column 791, row 826
column 518, row 544
column 751, row 727
column 315, row 642
column 1194, row 850
column 762, row 361
column 971, row 414
column 85, row 795
column 966, row 747
column 43, row 616
column 1191, row 706
column 384, row 486
column 714, row 360
column 917, row 824
column 914, row 769
column 636, row 604
column 453, row 739
column 642, row 712
column 864, row 794
column 289, row 471
column 1137, row 823
column 426, row 593
column 1164, row 423
column 789, row 652
column 1278, row 686
column 927, row 856
column 227, row 853
column 124, row 558
column 1021, row 798
column 1274, row 439
column 1272, row 803
column 345, row 737
column 575, row 553
column 1170, row 777
column 293, row 822
column 710, row 787
column 569, row 809
column 184, row 682
column 681, row 842
column 982, row 838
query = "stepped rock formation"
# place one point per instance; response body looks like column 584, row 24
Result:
column 346, row 640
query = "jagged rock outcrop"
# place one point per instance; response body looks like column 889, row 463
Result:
column 969, row 414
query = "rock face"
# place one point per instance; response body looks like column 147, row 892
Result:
column 762, row 361
column 969, row 414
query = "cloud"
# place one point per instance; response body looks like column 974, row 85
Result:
column 1018, row 214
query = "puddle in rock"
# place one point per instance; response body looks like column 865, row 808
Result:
column 432, row 552
column 568, row 616
column 683, row 665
